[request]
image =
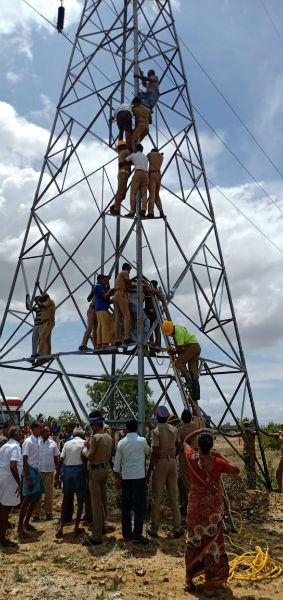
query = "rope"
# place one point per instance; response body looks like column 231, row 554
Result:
column 252, row 565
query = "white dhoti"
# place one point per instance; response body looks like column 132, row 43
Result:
column 8, row 487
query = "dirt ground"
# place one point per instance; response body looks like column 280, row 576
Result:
column 46, row 568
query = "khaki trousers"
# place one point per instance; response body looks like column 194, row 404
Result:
column 140, row 131
column 105, row 327
column 97, row 488
column 48, row 496
column 139, row 181
column 190, row 355
column 153, row 188
column 45, row 337
column 122, row 189
column 121, row 307
column 184, row 480
column 91, row 327
column 165, row 473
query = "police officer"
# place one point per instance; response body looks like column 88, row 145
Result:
column 165, row 446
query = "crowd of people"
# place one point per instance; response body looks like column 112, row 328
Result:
column 181, row 459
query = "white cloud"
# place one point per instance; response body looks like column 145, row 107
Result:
column 13, row 77
column 46, row 113
column 20, row 140
column 18, row 20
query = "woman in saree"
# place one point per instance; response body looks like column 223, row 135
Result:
column 205, row 549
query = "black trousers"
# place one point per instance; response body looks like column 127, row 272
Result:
column 124, row 122
column 133, row 498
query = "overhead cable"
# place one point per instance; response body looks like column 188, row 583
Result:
column 244, row 215
column 271, row 21
column 231, row 107
column 237, row 159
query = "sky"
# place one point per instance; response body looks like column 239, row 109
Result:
column 238, row 45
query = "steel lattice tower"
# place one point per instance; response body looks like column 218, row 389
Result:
column 116, row 38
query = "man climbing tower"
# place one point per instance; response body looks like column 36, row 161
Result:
column 151, row 83
column 123, row 115
column 123, row 176
column 37, row 326
column 155, row 159
column 48, row 322
column 188, row 349
column 143, row 120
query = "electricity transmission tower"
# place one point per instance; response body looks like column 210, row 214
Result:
column 114, row 40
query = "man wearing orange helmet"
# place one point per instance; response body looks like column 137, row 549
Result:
column 188, row 350
column 124, row 172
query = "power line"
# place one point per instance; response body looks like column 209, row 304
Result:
column 231, row 107
column 245, row 216
column 271, row 21
column 237, row 159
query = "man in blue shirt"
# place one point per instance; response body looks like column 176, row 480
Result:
column 130, row 457
column 105, row 323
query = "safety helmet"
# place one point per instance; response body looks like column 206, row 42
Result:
column 168, row 327
column 121, row 143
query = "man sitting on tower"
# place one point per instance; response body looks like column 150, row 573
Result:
column 188, row 349
column 139, row 181
column 155, row 159
column 151, row 83
column 143, row 120
column 123, row 176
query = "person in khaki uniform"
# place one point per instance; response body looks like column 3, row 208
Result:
column 278, row 436
column 188, row 425
column 99, row 454
column 91, row 326
column 249, row 451
column 124, row 172
column 121, row 305
column 155, row 159
column 143, row 120
column 165, row 446
column 48, row 322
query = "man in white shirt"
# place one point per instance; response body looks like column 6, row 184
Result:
column 130, row 458
column 123, row 115
column 139, row 181
column 33, row 486
column 11, row 466
column 74, row 479
column 48, row 461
